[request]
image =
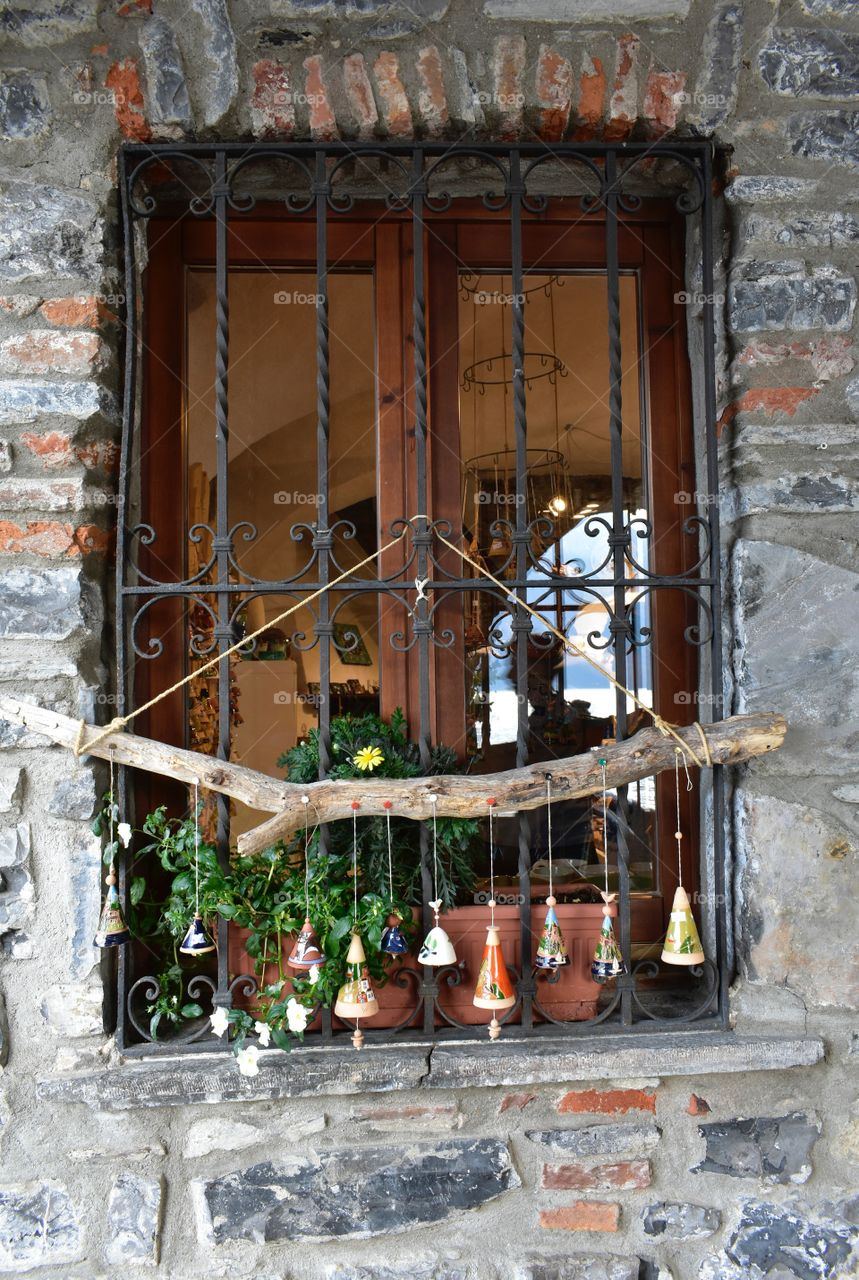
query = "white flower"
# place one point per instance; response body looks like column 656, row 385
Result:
column 297, row 1017
column 123, row 830
column 219, row 1021
column 247, row 1060
column 313, row 975
column 263, row 1030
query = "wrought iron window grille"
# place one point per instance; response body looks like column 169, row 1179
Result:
column 223, row 182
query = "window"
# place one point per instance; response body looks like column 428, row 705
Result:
column 341, row 343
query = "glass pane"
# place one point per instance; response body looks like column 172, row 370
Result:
column 568, row 504
column 274, row 495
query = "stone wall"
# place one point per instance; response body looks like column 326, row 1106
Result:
column 714, row 1163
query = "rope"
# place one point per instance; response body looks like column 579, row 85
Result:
column 81, row 747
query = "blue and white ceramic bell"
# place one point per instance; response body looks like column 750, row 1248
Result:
column 196, row 941
column 393, row 939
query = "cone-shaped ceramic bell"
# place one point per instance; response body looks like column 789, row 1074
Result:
column 608, row 961
column 552, row 951
column 356, row 998
column 306, row 954
column 494, row 989
column 196, row 941
column 112, row 930
column 437, row 949
column 682, row 944
column 393, row 939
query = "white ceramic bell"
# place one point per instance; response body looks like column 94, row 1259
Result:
column 437, row 949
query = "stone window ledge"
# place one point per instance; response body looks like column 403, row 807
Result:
column 309, row 1072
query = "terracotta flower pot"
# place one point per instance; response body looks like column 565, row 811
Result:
column 574, row 997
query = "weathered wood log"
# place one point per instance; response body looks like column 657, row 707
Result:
column 464, row 795
column 459, row 795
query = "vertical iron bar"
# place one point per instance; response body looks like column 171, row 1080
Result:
column 720, row 869
column 322, row 539
column 619, row 541
column 422, row 537
column 129, row 389
column 521, row 539
column 222, row 546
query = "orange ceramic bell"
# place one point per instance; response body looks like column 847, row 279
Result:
column 494, row 989
column 682, row 943
column 306, row 954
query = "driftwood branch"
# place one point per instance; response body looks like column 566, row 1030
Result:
column 459, row 795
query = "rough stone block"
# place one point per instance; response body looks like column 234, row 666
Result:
column 134, row 1220
column 680, row 1221
column 778, row 299
column 406, row 1119
column 23, row 494
column 829, row 136
column 167, row 93
column 40, row 604
column 766, row 188
column 827, row 230
column 588, row 11
column 86, row 877
column 354, row 1193
column 25, row 109
column 821, row 64
column 215, row 62
column 598, row 1139
column 14, row 845
column 29, row 401
column 715, row 95
column 39, row 1227
column 11, row 788
column 415, row 1269
column 205, row 1136
column 74, row 1009
column 776, row 1241
column 45, row 231
column 772, row 1149
column 577, row 1266
column 74, row 796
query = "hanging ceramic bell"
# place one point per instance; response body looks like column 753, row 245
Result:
column 552, row 951
column 682, row 944
column 306, row 954
column 112, row 930
column 608, row 961
column 196, row 941
column 437, row 949
column 393, row 939
column 494, row 989
column 356, row 998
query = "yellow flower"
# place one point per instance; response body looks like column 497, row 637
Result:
column 368, row 758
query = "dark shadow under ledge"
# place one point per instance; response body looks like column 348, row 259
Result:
column 308, row 1072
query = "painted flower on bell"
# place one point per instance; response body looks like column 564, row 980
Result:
column 219, row 1021
column 263, row 1030
column 247, row 1060
column 123, row 830
column 297, row 1017
column 368, row 759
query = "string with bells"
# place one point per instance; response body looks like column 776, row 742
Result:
column 307, row 955
column 494, row 990
column 682, row 943
column 393, row 939
column 356, row 998
column 437, row 948
column 608, row 960
column 552, row 951
column 112, row 930
column 196, row 941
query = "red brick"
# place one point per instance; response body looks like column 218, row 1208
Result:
column 623, row 107
column 129, row 7
column 554, row 94
column 698, row 1106
column 359, row 91
column 768, row 401
column 608, row 1102
column 100, row 50
column 508, row 64
column 322, row 120
column 592, row 84
column 626, row 1175
column 517, row 1101
column 38, row 538
column 92, row 538
column 98, row 453
column 432, row 100
column 582, row 1215
column 661, row 100
column 395, row 104
column 123, row 79
column 830, row 356
column 41, row 351
column 54, row 449
column 272, row 107
column 74, row 313
column 23, row 494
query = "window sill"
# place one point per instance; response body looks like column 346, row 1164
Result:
column 310, row 1072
